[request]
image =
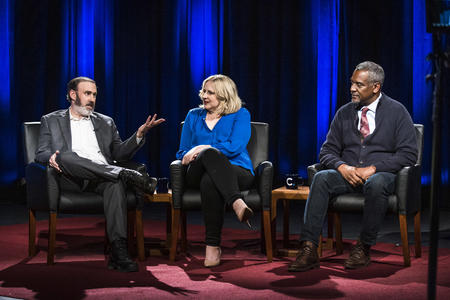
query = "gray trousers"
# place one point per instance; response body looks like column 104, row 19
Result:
column 82, row 175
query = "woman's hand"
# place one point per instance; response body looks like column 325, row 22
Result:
column 193, row 153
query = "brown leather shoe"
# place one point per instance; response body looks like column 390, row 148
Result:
column 307, row 258
column 359, row 256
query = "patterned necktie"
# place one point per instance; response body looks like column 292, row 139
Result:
column 364, row 129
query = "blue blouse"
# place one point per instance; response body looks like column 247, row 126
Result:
column 230, row 135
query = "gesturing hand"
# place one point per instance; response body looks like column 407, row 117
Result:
column 52, row 161
column 151, row 122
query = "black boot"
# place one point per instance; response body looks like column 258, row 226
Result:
column 140, row 181
column 359, row 256
column 307, row 258
column 119, row 258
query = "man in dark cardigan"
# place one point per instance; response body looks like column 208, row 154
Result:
column 370, row 139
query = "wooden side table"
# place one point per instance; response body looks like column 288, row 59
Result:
column 287, row 195
column 163, row 198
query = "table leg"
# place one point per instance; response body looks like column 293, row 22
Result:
column 273, row 224
column 285, row 223
column 168, row 225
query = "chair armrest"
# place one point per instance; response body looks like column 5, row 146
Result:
column 42, row 187
column 312, row 170
column 264, row 179
column 408, row 189
column 177, row 175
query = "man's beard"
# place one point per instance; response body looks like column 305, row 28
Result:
column 83, row 110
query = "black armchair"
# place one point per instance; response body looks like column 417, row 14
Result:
column 405, row 201
column 185, row 199
column 44, row 194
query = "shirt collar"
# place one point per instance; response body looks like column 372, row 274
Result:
column 372, row 106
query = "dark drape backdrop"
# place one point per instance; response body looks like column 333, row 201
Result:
column 291, row 61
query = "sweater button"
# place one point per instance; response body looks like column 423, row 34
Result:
column 364, row 147
column 360, row 161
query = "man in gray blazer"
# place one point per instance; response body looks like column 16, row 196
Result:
column 83, row 146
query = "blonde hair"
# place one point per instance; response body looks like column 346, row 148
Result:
column 226, row 93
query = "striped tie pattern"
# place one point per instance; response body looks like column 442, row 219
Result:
column 364, row 129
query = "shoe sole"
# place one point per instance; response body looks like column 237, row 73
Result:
column 113, row 266
column 208, row 265
column 314, row 266
column 248, row 213
column 357, row 266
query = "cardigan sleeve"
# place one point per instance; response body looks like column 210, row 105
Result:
column 406, row 145
column 330, row 153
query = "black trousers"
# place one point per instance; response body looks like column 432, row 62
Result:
column 220, row 184
column 82, row 175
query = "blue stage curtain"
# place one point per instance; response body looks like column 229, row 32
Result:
column 8, row 131
column 291, row 61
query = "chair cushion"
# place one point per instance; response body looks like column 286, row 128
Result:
column 88, row 203
column 354, row 203
column 191, row 199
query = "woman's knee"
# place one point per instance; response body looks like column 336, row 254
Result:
column 210, row 153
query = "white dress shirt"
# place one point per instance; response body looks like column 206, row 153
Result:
column 370, row 114
column 84, row 140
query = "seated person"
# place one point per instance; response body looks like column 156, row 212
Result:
column 83, row 145
column 370, row 139
column 214, row 147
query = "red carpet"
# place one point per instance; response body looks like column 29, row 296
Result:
column 80, row 271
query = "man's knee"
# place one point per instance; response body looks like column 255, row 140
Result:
column 66, row 158
column 380, row 183
column 324, row 176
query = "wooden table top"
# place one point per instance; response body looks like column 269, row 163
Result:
column 159, row 197
column 298, row 194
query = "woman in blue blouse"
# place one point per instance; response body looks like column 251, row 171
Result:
column 214, row 147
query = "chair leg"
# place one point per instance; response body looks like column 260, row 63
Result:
column 140, row 235
column 262, row 243
column 31, row 232
column 51, row 238
column 404, row 235
column 183, row 232
column 106, row 244
column 168, row 225
column 267, row 235
column 131, row 215
column 338, row 227
column 417, row 235
column 320, row 246
column 175, row 230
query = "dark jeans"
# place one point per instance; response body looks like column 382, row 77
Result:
column 329, row 183
column 82, row 175
column 220, row 184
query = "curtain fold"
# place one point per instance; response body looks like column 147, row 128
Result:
column 291, row 61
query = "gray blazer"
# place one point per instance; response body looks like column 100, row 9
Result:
column 55, row 135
